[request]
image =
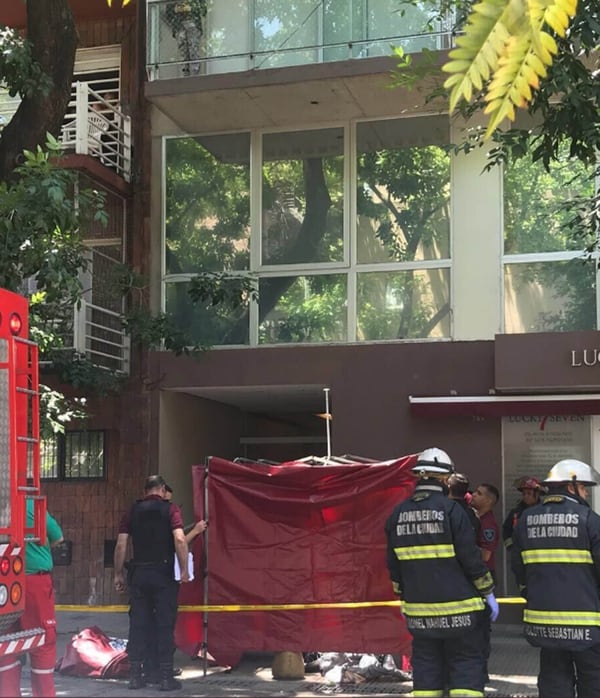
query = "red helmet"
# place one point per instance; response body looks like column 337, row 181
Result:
column 529, row 483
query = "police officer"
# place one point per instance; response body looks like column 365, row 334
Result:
column 436, row 568
column 556, row 559
column 156, row 529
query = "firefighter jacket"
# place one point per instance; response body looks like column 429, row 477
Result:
column 151, row 532
column 435, row 564
column 556, row 560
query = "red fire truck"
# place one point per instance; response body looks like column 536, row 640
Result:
column 19, row 467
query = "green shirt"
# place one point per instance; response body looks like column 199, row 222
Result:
column 38, row 558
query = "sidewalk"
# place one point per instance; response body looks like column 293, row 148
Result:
column 513, row 670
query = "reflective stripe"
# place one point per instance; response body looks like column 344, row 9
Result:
column 443, row 608
column 484, row 583
column 557, row 555
column 508, row 542
column 9, row 666
column 465, row 692
column 428, row 694
column 42, row 671
column 422, row 552
column 562, row 617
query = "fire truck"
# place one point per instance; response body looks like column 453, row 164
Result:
column 19, row 468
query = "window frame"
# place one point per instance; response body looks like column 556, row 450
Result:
column 60, row 449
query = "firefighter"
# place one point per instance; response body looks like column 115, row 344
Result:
column 436, row 569
column 39, row 613
column 556, row 559
column 530, row 489
column 156, row 529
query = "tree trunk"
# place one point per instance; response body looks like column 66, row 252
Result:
column 52, row 33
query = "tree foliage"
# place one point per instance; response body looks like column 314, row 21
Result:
column 505, row 51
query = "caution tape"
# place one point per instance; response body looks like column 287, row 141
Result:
column 228, row 608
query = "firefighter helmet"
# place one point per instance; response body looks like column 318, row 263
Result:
column 529, row 483
column 571, row 470
column 433, row 460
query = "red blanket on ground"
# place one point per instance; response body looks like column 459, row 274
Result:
column 295, row 534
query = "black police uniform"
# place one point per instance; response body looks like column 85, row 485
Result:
column 152, row 585
column 556, row 559
column 437, row 569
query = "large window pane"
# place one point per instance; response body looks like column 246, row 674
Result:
column 303, row 309
column 549, row 297
column 403, row 190
column 214, row 326
column 286, row 29
column 534, row 214
column 207, row 203
column 403, row 305
column 303, row 197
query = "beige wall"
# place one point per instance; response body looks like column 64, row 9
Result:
column 192, row 428
column 476, row 245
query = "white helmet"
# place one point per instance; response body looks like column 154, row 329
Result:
column 571, row 470
column 433, row 460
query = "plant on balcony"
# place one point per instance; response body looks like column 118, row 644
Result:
column 186, row 20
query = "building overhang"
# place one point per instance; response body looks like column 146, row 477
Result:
column 276, row 97
column 503, row 405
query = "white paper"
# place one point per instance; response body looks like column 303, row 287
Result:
column 190, row 566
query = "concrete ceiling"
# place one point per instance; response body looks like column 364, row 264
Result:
column 308, row 94
column 264, row 399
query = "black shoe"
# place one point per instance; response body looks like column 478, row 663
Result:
column 135, row 683
column 169, row 684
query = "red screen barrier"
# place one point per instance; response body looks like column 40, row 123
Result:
column 296, row 534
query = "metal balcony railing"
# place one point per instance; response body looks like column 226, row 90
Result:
column 98, row 333
column 238, row 35
column 94, row 125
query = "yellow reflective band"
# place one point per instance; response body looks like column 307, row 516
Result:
column 423, row 552
column 464, row 692
column 561, row 617
column 446, row 608
column 428, row 694
column 557, row 555
column 508, row 542
column 485, row 582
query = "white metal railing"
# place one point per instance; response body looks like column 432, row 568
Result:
column 99, row 334
column 238, row 35
column 94, row 125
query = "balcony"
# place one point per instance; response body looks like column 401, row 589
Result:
column 95, row 126
column 278, row 63
column 242, row 35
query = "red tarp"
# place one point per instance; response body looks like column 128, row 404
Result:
column 296, row 534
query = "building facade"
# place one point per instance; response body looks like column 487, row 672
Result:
column 433, row 301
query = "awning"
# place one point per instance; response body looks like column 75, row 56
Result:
column 503, row 405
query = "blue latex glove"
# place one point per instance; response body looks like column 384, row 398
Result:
column 490, row 599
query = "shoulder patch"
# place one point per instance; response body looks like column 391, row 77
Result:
column 420, row 496
column 489, row 534
column 553, row 499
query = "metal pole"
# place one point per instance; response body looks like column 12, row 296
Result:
column 328, row 423
column 205, row 572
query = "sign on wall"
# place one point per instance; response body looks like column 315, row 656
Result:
column 533, row 444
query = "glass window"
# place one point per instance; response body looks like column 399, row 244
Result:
column 303, row 309
column 403, row 190
column 549, row 296
column 303, row 197
column 534, row 214
column 286, row 29
column 74, row 455
column 403, row 304
column 207, row 226
column 206, row 325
